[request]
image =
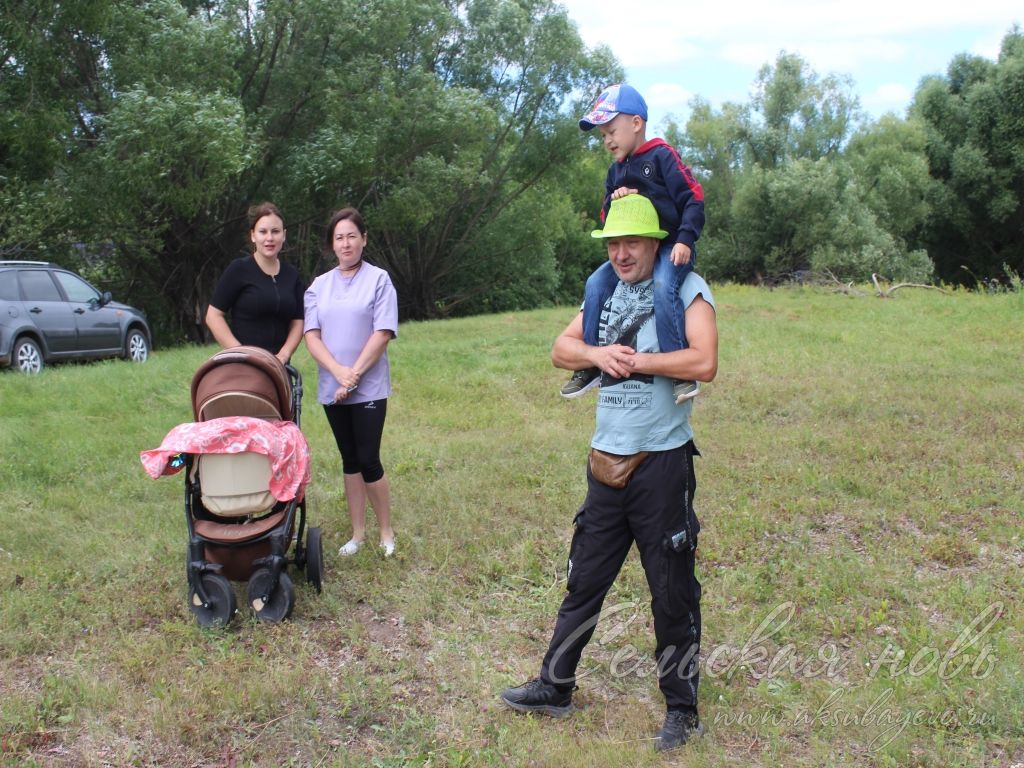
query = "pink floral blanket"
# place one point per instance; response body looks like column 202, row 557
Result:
column 282, row 441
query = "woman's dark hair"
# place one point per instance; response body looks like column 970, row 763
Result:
column 345, row 214
column 260, row 210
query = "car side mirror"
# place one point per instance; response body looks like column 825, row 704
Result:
column 106, row 298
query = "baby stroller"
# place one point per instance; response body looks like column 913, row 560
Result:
column 246, row 467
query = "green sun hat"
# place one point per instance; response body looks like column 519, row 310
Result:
column 632, row 215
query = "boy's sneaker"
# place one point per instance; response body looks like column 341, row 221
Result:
column 581, row 381
column 538, row 696
column 684, row 390
column 680, row 727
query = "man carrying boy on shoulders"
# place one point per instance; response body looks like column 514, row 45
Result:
column 653, row 169
column 640, row 479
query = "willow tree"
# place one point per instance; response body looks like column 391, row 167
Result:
column 455, row 136
column 795, row 180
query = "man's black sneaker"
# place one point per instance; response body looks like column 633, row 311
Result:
column 538, row 696
column 680, row 726
column 581, row 381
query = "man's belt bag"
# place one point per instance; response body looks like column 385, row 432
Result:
column 614, row 470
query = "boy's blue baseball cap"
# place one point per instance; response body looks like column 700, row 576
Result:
column 615, row 99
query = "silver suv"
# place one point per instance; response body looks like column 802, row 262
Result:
column 49, row 314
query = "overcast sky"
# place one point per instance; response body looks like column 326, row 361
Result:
column 676, row 49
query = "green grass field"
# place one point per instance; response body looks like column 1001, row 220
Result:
column 862, row 559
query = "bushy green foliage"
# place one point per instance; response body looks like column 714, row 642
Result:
column 791, row 186
column 794, row 113
column 974, row 123
column 162, row 121
column 887, row 158
column 812, row 215
column 134, row 136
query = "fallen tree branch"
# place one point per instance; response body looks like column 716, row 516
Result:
column 838, row 286
column 885, row 293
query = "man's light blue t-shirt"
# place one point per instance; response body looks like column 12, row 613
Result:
column 640, row 413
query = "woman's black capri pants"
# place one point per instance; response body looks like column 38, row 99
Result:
column 357, row 431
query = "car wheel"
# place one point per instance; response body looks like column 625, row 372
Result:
column 27, row 357
column 136, row 348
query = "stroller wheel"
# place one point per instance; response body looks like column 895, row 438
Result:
column 315, row 559
column 275, row 606
column 221, row 607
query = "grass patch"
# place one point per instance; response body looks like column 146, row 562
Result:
column 861, row 556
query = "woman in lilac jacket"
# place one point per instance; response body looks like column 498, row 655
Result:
column 351, row 313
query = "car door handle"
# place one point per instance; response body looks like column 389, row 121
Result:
column 35, row 310
column 79, row 311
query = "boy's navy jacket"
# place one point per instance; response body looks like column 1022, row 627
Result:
column 657, row 171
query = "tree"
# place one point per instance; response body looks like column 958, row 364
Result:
column 146, row 139
column 791, row 184
column 813, row 215
column 713, row 146
column 888, row 158
column 458, row 126
column 795, row 113
column 974, row 126
column 49, row 87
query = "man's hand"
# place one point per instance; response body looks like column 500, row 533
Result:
column 681, row 254
column 615, row 359
column 572, row 353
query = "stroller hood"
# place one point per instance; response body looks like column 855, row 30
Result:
column 242, row 381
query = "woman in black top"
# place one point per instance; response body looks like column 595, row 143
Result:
column 262, row 293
